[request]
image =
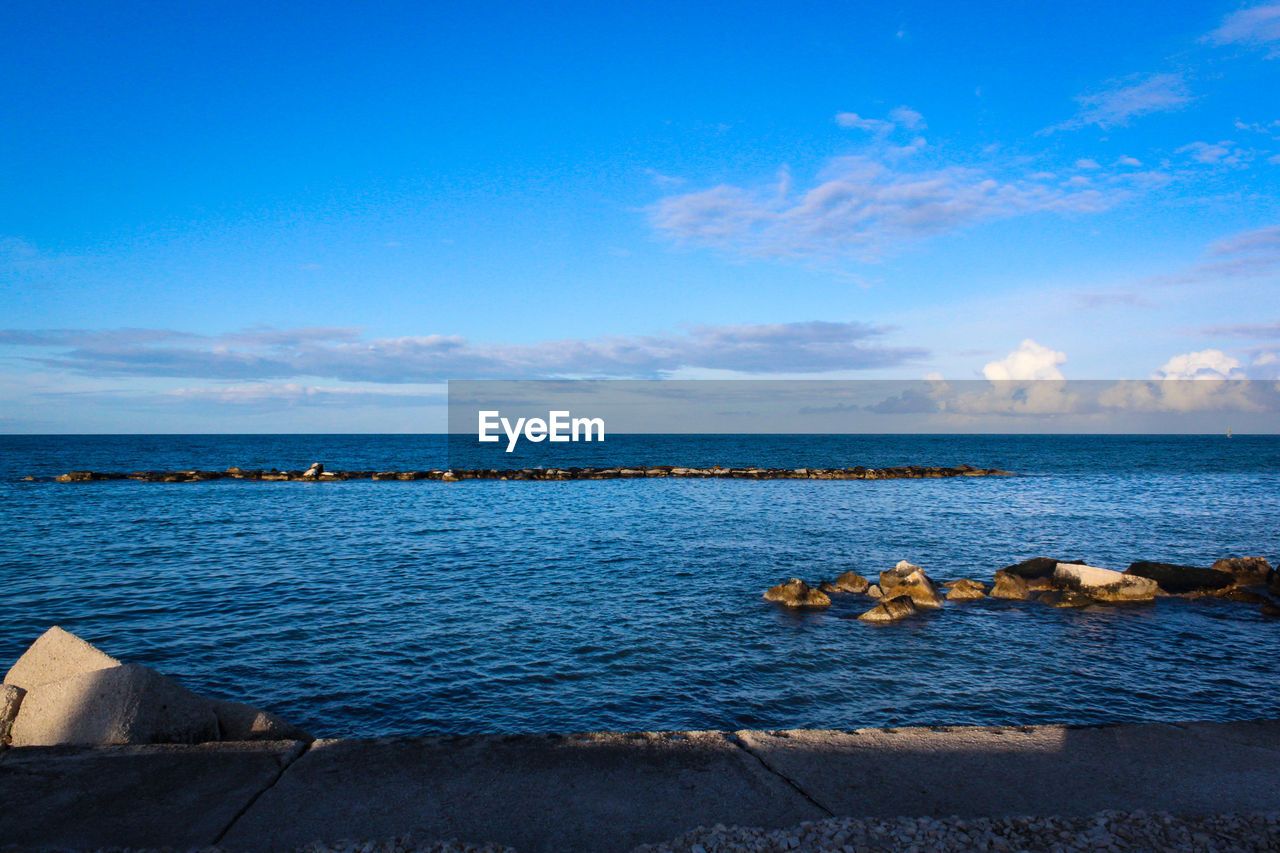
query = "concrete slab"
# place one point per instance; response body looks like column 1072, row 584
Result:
column 1042, row 770
column 131, row 796
column 597, row 792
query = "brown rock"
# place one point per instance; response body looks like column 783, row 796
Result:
column 10, row 702
column 891, row 610
column 1011, row 586
column 909, row 579
column 966, row 590
column 852, row 582
column 1177, row 579
column 1036, row 567
column 797, row 593
column 1071, row 598
column 1248, row 571
column 874, row 591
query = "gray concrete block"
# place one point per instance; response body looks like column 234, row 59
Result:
column 128, row 704
column 56, row 654
column 598, row 792
column 1041, row 770
column 153, row 796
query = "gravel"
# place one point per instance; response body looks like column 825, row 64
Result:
column 1104, row 831
column 1099, row 833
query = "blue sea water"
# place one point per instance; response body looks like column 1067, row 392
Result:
column 370, row 608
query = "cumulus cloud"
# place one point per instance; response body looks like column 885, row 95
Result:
column 338, row 353
column 1255, row 26
column 1205, row 364
column 1126, row 99
column 1028, row 362
column 859, row 206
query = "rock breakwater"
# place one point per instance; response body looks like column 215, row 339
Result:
column 317, row 473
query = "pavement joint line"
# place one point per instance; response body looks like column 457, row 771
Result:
column 737, row 741
column 289, row 759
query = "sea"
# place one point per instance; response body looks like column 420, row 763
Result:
column 369, row 608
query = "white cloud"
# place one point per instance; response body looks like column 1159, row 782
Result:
column 1259, row 25
column 1250, row 254
column 1029, row 361
column 1126, row 99
column 859, row 206
column 907, row 117
column 267, row 354
column 870, row 125
column 1224, row 153
column 1205, row 364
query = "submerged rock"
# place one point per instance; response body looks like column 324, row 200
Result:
column 891, row 610
column 1071, row 598
column 1247, row 571
column 851, row 582
column 797, row 593
column 1011, row 586
column 966, row 590
column 1104, row 584
column 1244, row 596
column 1271, row 609
column 1176, row 579
column 72, row 693
column 909, row 579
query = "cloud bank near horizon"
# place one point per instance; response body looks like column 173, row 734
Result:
column 342, row 354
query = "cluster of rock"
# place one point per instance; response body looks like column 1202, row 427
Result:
column 906, row 589
column 65, row 691
column 317, row 473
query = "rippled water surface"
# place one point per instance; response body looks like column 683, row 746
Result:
column 407, row 607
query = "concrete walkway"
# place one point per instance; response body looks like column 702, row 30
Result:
column 610, row 792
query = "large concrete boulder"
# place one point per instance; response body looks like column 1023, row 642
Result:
column 10, row 702
column 1247, row 571
column 1177, row 580
column 851, row 582
column 1104, row 584
column 55, row 655
column 64, row 691
column 238, row 721
column 966, row 590
column 126, row 704
column 1011, row 586
column 891, row 610
column 797, row 593
column 909, row 579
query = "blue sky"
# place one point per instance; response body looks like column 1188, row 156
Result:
column 300, row 217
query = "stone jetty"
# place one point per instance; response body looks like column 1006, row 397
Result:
column 317, row 473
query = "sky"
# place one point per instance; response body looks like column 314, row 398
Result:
column 281, row 217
